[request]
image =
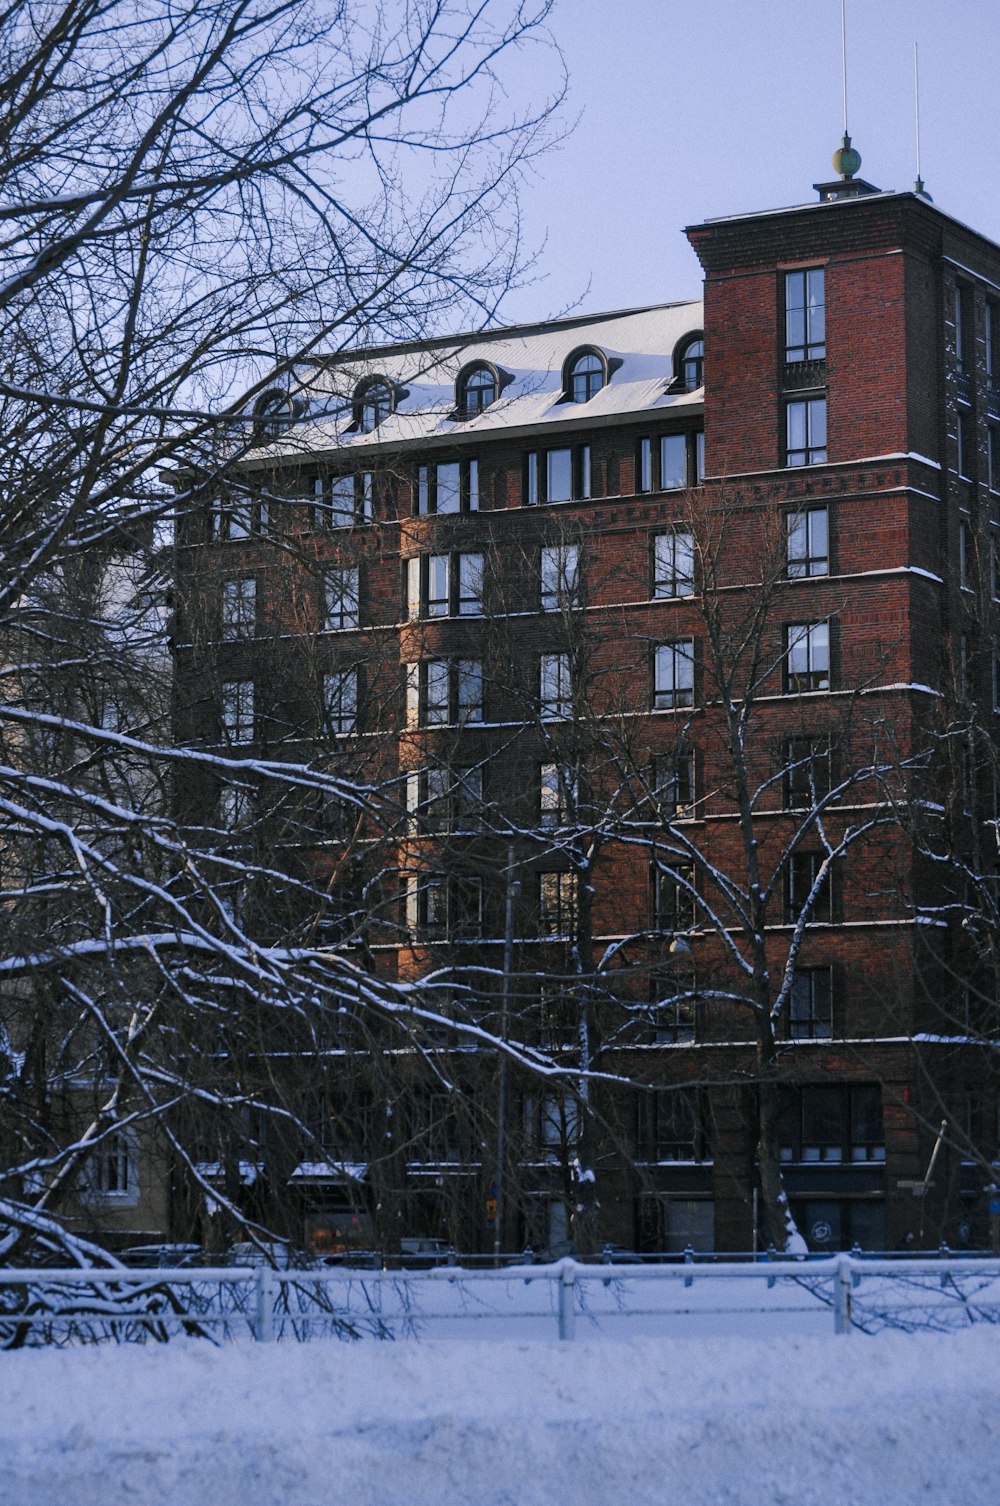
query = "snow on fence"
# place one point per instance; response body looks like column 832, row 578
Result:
column 567, row 1299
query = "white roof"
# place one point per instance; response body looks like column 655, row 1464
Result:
column 638, row 343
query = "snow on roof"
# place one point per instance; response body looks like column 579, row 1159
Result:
column 638, row 344
column 329, row 1171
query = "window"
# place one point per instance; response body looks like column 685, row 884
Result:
column 555, row 685
column 994, row 567
column 672, row 1009
column 671, row 1125
column 235, row 805
column 445, row 905
column 673, row 563
column 805, row 316
column 992, row 341
column 993, row 457
column 807, row 657
column 962, row 311
column 808, row 543
column 800, row 883
column 691, row 364
column 273, row 414
column 966, row 442
column 111, row 1172
column 477, row 389
column 810, row 1015
column 452, row 486
column 552, row 1125
column 805, row 432
column 373, row 403
column 807, row 772
column 234, row 518
column 557, row 796
column 832, row 1124
column 237, row 711
column 342, row 602
column 557, row 475
column 673, row 898
column 673, row 784
column 445, row 799
column 444, row 585
column 340, row 701
column 673, row 675
column 560, row 577
column 342, row 501
column 964, row 556
column 442, row 692
column 671, row 463
column 239, row 607
column 586, row 376
column 556, row 903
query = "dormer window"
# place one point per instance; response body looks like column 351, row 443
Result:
column 273, row 414
column 691, row 364
column 586, row 374
column 373, row 402
column 476, row 389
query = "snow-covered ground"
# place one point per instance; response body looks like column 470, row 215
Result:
column 849, row 1421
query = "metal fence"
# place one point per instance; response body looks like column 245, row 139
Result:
column 567, row 1299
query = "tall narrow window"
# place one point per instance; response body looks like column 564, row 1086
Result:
column 555, row 685
column 557, row 894
column 237, row 711
column 342, row 609
column 560, row 577
column 965, row 556
column 470, row 584
column 673, row 898
column 673, row 675
column 673, row 784
column 802, row 889
column 239, row 607
column 966, row 442
column 808, row 542
column 340, row 701
column 558, row 475
column 961, row 312
column 810, row 1013
column 372, row 405
column 437, row 585
column 468, row 690
column 805, row 315
column 808, row 775
column 673, row 462
column 557, row 799
column 673, row 563
column 807, row 657
column 692, row 365
column 805, row 437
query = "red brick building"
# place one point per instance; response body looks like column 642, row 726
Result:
column 666, row 638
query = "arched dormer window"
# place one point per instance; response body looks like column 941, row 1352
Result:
column 373, row 403
column 273, row 413
column 689, row 363
column 476, row 388
column 584, row 374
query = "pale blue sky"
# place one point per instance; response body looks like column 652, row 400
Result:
column 694, row 108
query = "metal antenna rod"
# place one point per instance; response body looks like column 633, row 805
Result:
column 916, row 111
column 843, row 55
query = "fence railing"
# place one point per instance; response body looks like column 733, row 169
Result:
column 49, row 1306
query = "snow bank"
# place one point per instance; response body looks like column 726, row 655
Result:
column 842, row 1422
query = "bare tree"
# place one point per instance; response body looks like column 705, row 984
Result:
column 191, row 195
